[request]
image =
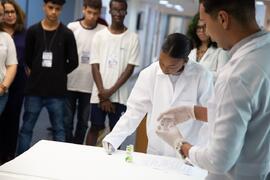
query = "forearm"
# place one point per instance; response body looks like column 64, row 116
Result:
column 123, row 78
column 97, row 77
column 200, row 113
column 10, row 75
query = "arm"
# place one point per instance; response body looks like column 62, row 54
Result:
column 232, row 112
column 106, row 93
column 138, row 105
column 29, row 48
column 11, row 65
column 72, row 54
column 200, row 113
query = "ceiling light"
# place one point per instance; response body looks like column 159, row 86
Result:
column 163, row 2
column 260, row 3
column 179, row 8
column 169, row 5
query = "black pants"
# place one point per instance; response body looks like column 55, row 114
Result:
column 9, row 126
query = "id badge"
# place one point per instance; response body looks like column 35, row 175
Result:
column 47, row 58
column 112, row 62
column 85, row 58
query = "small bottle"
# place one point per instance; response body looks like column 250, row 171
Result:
column 129, row 151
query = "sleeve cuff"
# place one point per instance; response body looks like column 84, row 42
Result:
column 192, row 154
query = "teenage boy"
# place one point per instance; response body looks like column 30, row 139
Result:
column 50, row 54
column 114, row 55
column 80, row 81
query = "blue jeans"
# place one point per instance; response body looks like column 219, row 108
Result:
column 81, row 102
column 32, row 108
column 3, row 102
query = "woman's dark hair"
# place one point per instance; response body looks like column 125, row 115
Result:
column 177, row 45
column 59, row 2
column 95, row 4
column 20, row 22
column 192, row 33
column 241, row 10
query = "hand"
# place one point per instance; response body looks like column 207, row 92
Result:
column 107, row 106
column 171, row 136
column 175, row 116
column 105, row 94
column 2, row 92
column 108, row 147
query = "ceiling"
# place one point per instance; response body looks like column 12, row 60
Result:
column 190, row 6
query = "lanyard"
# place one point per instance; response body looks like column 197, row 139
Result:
column 48, row 48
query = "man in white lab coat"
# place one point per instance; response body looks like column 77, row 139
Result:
column 170, row 82
column 239, row 112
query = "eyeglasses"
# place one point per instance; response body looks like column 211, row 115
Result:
column 10, row 12
column 201, row 28
column 120, row 12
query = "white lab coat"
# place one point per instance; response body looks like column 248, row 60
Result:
column 213, row 59
column 153, row 94
column 239, row 117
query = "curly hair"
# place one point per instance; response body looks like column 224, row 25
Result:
column 20, row 22
column 192, row 33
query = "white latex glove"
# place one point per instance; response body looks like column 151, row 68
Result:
column 175, row 116
column 108, row 147
column 171, row 136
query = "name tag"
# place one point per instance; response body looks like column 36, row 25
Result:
column 112, row 63
column 47, row 58
column 85, row 58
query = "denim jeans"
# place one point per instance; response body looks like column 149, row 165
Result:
column 32, row 108
column 80, row 102
column 3, row 102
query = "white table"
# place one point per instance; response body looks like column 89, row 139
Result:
column 64, row 161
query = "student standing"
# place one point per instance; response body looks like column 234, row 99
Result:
column 80, row 81
column 51, row 53
column 115, row 52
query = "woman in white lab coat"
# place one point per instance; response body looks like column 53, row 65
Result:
column 206, row 51
column 171, row 82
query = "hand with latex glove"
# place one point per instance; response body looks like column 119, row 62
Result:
column 108, row 147
column 175, row 116
column 172, row 137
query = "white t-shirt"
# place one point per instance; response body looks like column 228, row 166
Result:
column 8, row 55
column 113, row 52
column 81, row 78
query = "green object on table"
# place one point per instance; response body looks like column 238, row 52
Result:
column 129, row 151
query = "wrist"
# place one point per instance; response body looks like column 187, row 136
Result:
column 185, row 149
column 3, row 87
column 177, row 146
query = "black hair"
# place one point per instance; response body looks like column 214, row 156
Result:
column 192, row 33
column 95, row 4
column 120, row 1
column 241, row 10
column 177, row 45
column 59, row 2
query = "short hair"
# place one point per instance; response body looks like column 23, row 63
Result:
column 95, row 4
column 192, row 33
column 177, row 45
column 242, row 10
column 120, row 1
column 20, row 22
column 59, row 2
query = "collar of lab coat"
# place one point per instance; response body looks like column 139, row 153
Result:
column 249, row 44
